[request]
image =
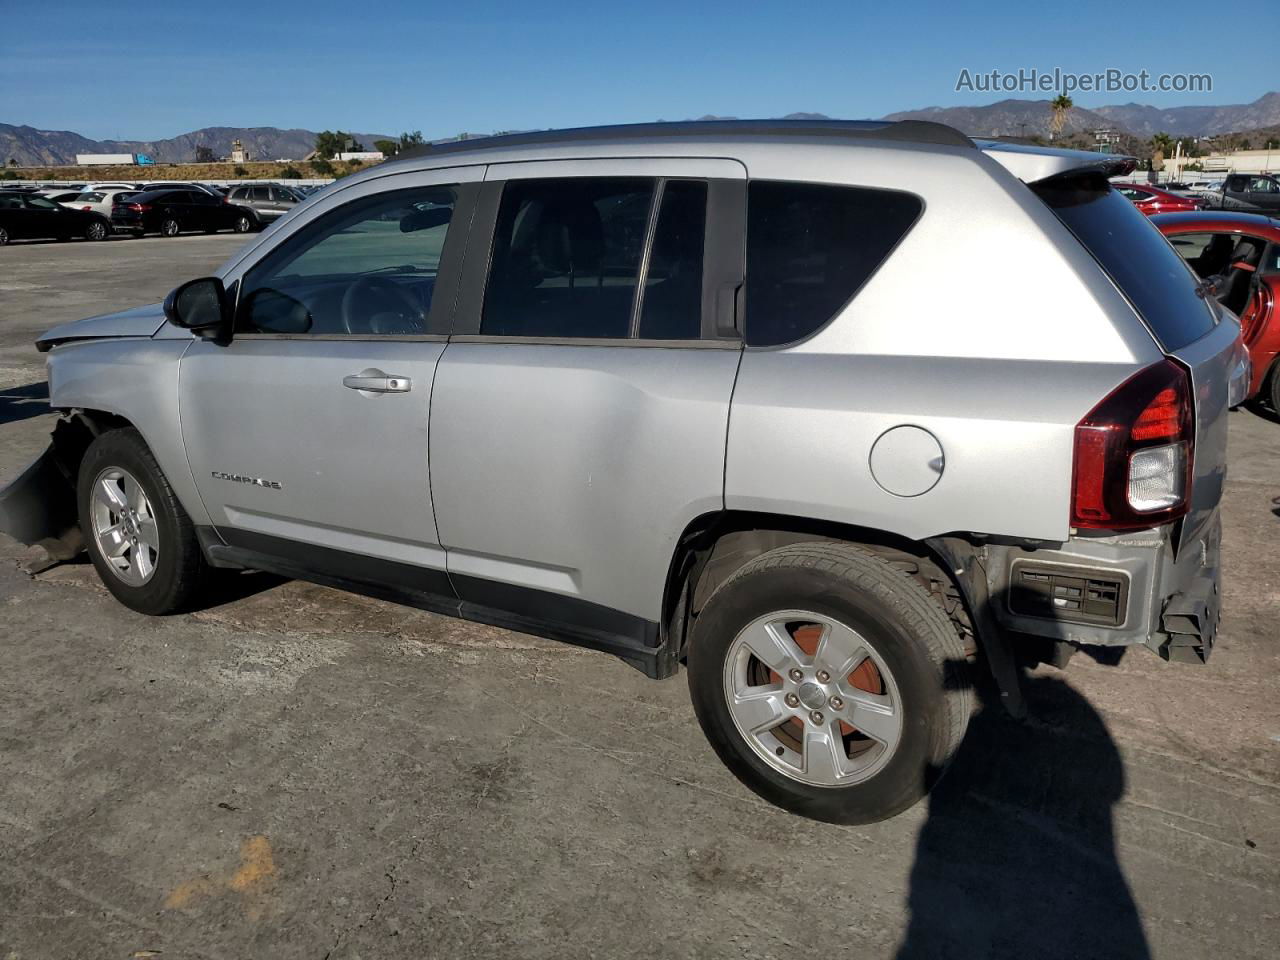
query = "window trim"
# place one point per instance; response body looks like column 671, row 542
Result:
column 723, row 257
column 439, row 319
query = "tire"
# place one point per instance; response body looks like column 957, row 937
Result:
column 97, row 231
column 243, row 223
column 918, row 675
column 169, row 227
column 1272, row 388
column 4, row 237
column 177, row 566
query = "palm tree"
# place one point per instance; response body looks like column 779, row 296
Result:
column 1061, row 106
column 1162, row 142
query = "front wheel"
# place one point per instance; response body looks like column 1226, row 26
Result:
column 139, row 537
column 169, row 228
column 829, row 682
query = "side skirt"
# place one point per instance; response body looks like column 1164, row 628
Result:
column 578, row 622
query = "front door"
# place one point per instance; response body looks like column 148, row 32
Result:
column 581, row 408
column 307, row 433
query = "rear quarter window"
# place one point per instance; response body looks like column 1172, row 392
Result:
column 810, row 247
column 1134, row 254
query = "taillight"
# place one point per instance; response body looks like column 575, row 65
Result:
column 1133, row 453
column 139, row 207
column 86, row 208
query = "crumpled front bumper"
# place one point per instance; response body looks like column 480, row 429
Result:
column 39, row 506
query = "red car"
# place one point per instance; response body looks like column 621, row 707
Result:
column 1243, row 249
column 1153, row 200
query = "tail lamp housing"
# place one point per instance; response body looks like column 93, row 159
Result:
column 1134, row 452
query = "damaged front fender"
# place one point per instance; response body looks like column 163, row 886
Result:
column 39, row 507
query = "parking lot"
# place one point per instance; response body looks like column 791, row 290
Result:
column 297, row 772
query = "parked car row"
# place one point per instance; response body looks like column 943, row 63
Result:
column 683, row 393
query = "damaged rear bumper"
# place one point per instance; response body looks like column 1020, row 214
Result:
column 1129, row 589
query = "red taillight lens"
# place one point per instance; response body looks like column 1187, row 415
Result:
column 139, row 207
column 1133, row 453
column 86, row 208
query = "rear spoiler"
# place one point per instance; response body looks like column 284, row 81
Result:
column 1031, row 163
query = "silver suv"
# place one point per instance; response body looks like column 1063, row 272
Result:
column 268, row 201
column 831, row 413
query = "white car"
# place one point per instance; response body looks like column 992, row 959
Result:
column 112, row 185
column 99, row 201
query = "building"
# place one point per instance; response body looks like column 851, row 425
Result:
column 364, row 156
column 1236, row 161
column 238, row 153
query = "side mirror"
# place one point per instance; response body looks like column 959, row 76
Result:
column 200, row 306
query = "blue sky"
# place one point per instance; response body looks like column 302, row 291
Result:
column 146, row 71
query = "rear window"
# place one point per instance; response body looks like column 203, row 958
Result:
column 1134, row 254
column 810, row 247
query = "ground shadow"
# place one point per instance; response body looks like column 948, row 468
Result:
column 23, row 403
column 230, row 586
column 1017, row 858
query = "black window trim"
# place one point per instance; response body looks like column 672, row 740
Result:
column 723, row 265
column 448, row 277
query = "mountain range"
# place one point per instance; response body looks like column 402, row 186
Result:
column 1031, row 117
column 33, row 147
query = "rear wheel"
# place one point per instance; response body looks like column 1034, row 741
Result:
column 169, row 227
column 243, row 223
column 4, row 236
column 1272, row 388
column 829, row 682
column 139, row 537
column 96, row 231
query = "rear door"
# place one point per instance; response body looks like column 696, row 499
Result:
column 579, row 417
column 307, row 433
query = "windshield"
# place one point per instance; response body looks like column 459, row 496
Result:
column 1134, row 254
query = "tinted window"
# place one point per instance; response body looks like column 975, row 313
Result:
column 40, row 203
column 257, row 193
column 810, row 247
column 1133, row 252
column 566, row 258
column 671, row 308
column 239, row 193
column 368, row 267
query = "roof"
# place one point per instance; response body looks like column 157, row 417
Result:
column 1229, row 220
column 902, row 131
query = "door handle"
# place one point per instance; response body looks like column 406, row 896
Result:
column 375, row 381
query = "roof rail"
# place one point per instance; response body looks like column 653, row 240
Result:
column 906, row 131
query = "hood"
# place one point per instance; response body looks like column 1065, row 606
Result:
column 137, row 322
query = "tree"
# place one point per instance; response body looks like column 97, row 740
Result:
column 13, row 162
column 322, row 167
column 205, row 155
column 291, row 173
column 1061, row 106
column 388, row 148
column 414, row 139
column 330, row 143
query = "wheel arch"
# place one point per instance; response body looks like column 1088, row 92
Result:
column 714, row 545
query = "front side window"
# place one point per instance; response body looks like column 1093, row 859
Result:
column 810, row 247
column 367, row 268
column 566, row 258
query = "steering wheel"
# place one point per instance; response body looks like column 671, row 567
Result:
column 374, row 304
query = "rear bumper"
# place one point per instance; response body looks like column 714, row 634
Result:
column 1170, row 598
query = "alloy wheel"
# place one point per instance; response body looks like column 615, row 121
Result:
column 813, row 698
column 124, row 526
